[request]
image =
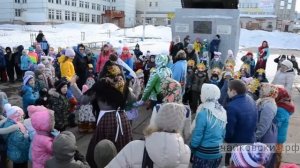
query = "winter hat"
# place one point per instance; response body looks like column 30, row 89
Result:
column 210, row 92
column 125, row 49
column 288, row 64
column 289, row 165
column 137, row 46
column 64, row 146
column 268, row 90
column 41, row 118
column 38, row 72
column 31, row 49
column 217, row 54
column 29, row 73
column 26, row 79
column 283, row 56
column 161, row 61
column 70, row 53
column 190, row 47
column 9, row 110
column 104, row 152
column 293, row 56
column 41, row 66
column 60, row 83
column 230, row 54
column 255, row 155
column 249, row 53
column 170, row 117
column 180, row 54
column 171, row 91
column 284, row 99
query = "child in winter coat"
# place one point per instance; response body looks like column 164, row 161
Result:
column 197, row 45
column 103, row 58
column 49, row 69
column 45, row 46
column 200, row 77
column 66, row 64
column 29, row 94
column 3, row 74
column 215, row 76
column 59, row 103
column 41, row 81
column 216, row 62
column 15, row 136
column 230, row 58
column 248, row 59
column 208, row 129
column 285, row 108
column 179, row 69
column 43, row 123
column 147, row 68
column 205, row 59
column 25, row 62
column 127, row 57
column 189, row 78
column 65, row 153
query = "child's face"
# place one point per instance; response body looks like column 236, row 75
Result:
column 64, row 89
column 31, row 82
column 152, row 59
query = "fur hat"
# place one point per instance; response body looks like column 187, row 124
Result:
column 104, row 152
column 26, row 79
column 288, row 64
column 41, row 66
column 255, row 155
column 70, row 53
column 170, row 117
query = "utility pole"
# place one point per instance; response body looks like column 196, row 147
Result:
column 144, row 20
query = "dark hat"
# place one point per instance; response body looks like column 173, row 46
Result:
column 293, row 56
column 38, row 72
column 137, row 45
column 283, row 56
column 60, row 83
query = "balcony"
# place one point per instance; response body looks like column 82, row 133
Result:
column 113, row 14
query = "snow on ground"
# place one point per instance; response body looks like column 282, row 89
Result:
column 157, row 38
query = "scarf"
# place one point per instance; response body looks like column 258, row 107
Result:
column 283, row 100
column 215, row 110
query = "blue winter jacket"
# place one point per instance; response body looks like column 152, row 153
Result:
column 179, row 71
column 29, row 96
column 2, row 59
column 17, row 144
column 44, row 45
column 214, row 45
column 241, row 119
column 282, row 121
column 205, row 137
column 25, row 62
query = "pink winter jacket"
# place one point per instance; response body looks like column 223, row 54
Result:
column 102, row 59
column 42, row 122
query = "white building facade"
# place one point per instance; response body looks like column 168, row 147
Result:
column 158, row 12
column 58, row 11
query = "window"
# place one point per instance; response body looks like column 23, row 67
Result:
column 51, row 1
column 289, row 6
column 67, row 15
column 290, row 1
column 93, row 6
column 87, row 5
column 51, row 14
column 24, row 1
column 98, row 7
column 87, row 17
column 58, row 14
column 156, row 4
column 74, row 16
column 18, row 12
column 81, row 4
column 113, row 0
column 67, row 2
column 81, row 17
column 113, row 8
column 108, row 8
column 104, row 7
column 58, row 1
column 150, row 4
column 282, row 3
column 98, row 18
column 74, row 2
column 93, row 18
column 17, row 1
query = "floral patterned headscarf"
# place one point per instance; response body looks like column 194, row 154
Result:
column 171, row 91
column 268, row 93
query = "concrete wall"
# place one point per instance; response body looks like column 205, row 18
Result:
column 225, row 22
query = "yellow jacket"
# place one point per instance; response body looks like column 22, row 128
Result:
column 197, row 47
column 66, row 67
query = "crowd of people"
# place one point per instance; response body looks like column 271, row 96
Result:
column 198, row 102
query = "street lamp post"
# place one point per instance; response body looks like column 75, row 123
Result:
column 144, row 20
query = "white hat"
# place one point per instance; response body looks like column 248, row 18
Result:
column 10, row 110
column 210, row 92
column 26, row 79
column 29, row 73
column 70, row 53
column 217, row 53
column 170, row 117
column 288, row 64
